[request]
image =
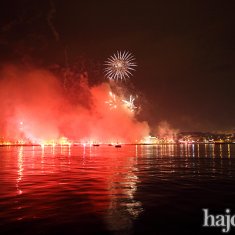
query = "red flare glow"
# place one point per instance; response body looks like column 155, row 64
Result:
column 36, row 109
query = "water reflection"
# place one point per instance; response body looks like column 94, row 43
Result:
column 123, row 207
column 229, row 150
column 20, row 170
column 72, row 182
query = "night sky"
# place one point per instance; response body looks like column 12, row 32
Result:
column 184, row 49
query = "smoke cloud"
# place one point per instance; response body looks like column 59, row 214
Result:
column 35, row 106
column 165, row 131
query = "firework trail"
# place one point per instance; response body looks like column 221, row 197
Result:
column 50, row 17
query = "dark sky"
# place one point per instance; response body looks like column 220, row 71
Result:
column 184, row 49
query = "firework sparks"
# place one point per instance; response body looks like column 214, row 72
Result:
column 112, row 102
column 130, row 103
column 120, row 65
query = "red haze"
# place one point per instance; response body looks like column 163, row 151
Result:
column 35, row 106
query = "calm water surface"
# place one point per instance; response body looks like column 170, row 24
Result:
column 105, row 190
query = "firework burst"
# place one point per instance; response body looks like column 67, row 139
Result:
column 120, row 66
column 112, row 102
column 130, row 103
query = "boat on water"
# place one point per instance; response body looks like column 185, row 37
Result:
column 118, row 146
column 96, row 145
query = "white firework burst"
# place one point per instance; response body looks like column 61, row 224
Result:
column 120, row 65
column 130, row 103
column 112, row 102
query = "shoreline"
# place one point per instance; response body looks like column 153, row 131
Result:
column 74, row 145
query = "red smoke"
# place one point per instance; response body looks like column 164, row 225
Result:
column 36, row 107
column 165, row 131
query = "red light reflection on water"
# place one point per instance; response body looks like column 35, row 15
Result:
column 81, row 180
column 84, row 184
